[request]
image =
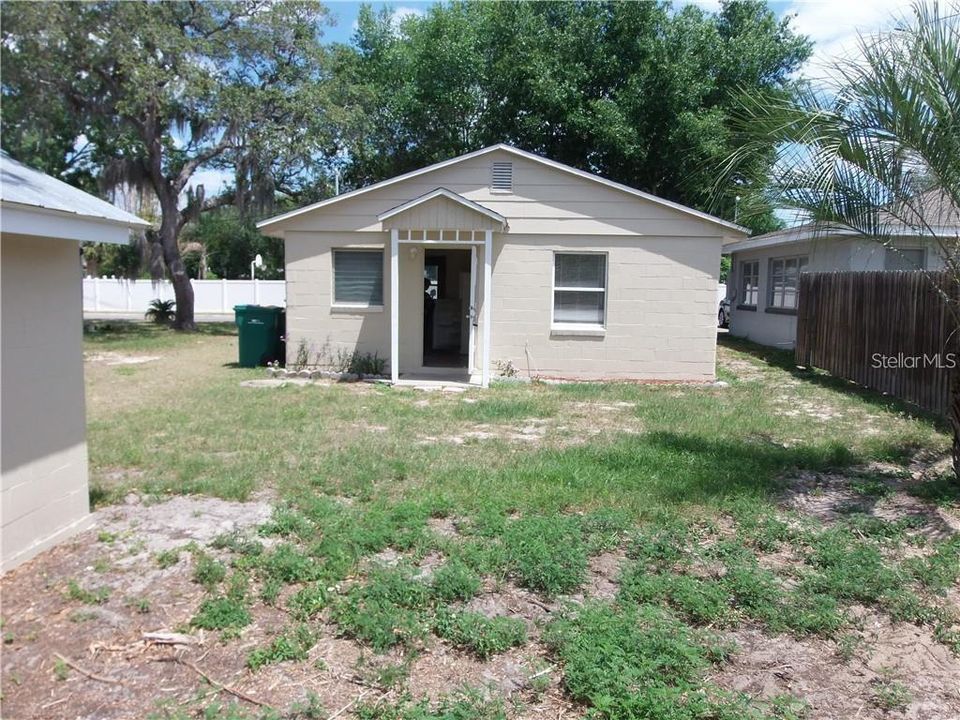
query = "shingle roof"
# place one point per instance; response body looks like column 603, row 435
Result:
column 22, row 185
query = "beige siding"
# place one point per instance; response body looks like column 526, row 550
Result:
column 661, row 316
column 544, row 201
column 662, row 266
column 439, row 213
column 43, row 471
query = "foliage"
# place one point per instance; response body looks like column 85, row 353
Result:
column 163, row 90
column 479, row 634
column 637, row 92
column 161, row 312
column 547, row 554
column 469, row 705
column 226, row 241
column 292, row 644
column 168, row 558
column 455, row 581
column 221, row 613
column 879, row 154
column 208, row 571
column 97, row 596
column 637, row 663
column 388, row 610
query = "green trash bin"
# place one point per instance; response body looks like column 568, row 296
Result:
column 261, row 331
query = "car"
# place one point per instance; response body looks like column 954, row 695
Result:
column 723, row 315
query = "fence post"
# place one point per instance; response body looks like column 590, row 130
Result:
column 256, row 291
column 96, row 293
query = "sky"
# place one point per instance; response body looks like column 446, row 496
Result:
column 832, row 25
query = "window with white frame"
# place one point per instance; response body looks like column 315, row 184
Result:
column 904, row 258
column 785, row 281
column 750, row 283
column 358, row 278
column 579, row 288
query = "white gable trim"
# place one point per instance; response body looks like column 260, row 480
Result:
column 449, row 195
column 270, row 222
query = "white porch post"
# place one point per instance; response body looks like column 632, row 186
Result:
column 472, row 315
column 487, row 304
column 394, row 306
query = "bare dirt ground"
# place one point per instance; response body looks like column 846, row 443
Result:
column 109, row 670
column 66, row 657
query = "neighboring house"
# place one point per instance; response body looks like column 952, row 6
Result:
column 763, row 281
column 43, row 449
column 503, row 258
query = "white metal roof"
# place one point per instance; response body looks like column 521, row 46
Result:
column 450, row 195
column 23, row 188
column 520, row 153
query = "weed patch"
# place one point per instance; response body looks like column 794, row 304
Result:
column 480, row 635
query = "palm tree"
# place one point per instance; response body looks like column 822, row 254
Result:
column 881, row 152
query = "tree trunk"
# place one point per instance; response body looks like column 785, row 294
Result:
column 182, row 289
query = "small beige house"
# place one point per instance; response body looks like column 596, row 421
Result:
column 43, row 449
column 764, row 271
column 502, row 259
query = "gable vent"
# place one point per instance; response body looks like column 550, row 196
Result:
column 502, row 178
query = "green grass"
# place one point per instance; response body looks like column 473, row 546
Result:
column 683, row 479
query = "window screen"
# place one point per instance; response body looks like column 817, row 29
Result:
column 904, row 259
column 580, row 288
column 358, row 277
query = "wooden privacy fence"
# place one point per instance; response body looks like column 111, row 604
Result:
column 890, row 331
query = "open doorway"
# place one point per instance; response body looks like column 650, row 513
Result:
column 446, row 308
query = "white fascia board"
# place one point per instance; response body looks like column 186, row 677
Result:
column 263, row 224
column 40, row 222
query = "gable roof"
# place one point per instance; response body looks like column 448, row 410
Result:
column 23, row 186
column 449, row 195
column 519, row 153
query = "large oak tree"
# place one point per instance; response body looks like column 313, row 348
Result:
column 147, row 94
column 641, row 93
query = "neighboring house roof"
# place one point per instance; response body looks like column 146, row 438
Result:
column 449, row 195
column 71, row 213
column 519, row 153
column 930, row 212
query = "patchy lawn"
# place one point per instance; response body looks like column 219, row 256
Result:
column 783, row 547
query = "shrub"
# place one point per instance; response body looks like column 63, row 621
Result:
column 161, row 312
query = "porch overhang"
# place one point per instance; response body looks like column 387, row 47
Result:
column 441, row 209
column 444, row 217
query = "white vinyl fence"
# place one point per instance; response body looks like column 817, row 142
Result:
column 210, row 296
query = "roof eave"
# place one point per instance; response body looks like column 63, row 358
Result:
column 738, row 229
